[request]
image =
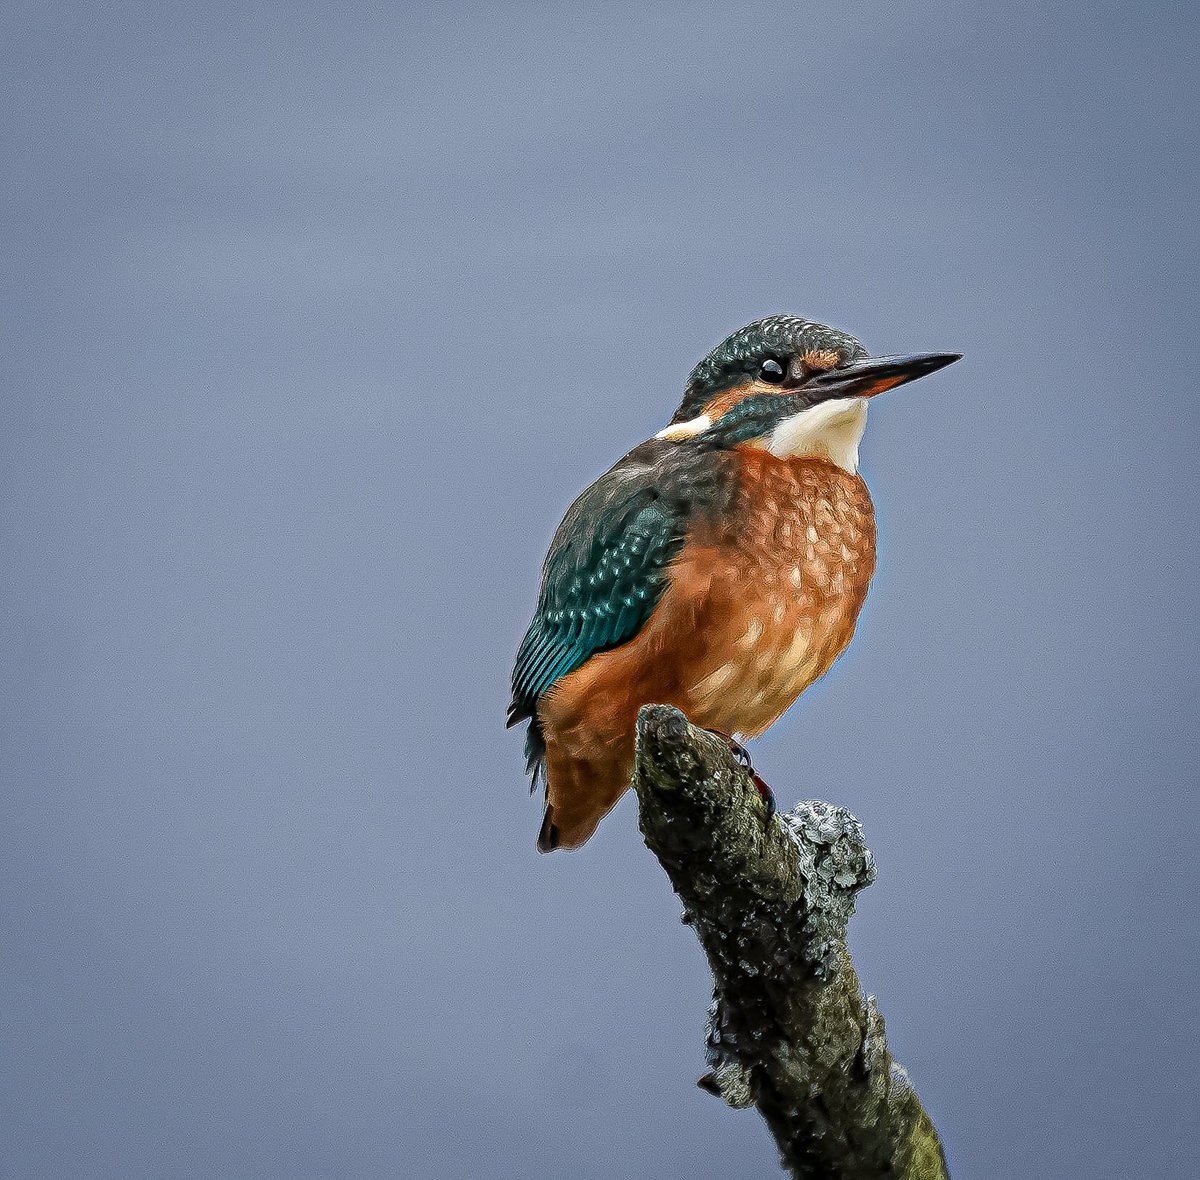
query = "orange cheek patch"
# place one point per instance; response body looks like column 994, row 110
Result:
column 723, row 403
column 820, row 359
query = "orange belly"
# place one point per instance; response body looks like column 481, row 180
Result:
column 759, row 606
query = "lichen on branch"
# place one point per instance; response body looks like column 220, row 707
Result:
column 770, row 898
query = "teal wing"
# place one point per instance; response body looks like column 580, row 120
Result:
column 605, row 572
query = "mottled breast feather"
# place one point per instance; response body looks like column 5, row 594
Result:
column 776, row 586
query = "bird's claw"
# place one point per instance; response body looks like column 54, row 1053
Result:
column 735, row 748
column 768, row 796
column 743, row 759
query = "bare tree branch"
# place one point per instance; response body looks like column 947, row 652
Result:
column 789, row 1030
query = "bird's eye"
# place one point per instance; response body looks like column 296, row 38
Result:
column 771, row 372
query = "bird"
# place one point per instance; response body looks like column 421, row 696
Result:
column 719, row 567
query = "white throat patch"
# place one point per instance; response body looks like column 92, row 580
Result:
column 831, row 429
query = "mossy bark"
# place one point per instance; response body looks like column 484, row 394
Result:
column 789, row 1030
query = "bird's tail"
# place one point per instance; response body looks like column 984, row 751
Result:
column 547, row 840
column 535, row 755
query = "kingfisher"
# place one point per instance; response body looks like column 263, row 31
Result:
column 718, row 567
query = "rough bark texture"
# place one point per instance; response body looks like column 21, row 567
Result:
column 789, row 1030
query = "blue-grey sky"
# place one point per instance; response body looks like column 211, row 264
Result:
column 316, row 318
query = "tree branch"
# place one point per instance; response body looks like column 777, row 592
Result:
column 789, row 1030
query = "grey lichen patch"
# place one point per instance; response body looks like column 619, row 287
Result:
column 835, row 864
column 873, row 1053
column 770, row 899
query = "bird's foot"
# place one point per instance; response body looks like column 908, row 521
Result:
column 736, row 748
column 768, row 796
column 743, row 757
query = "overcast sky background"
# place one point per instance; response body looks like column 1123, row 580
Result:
column 315, row 320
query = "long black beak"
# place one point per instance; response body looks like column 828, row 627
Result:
column 878, row 374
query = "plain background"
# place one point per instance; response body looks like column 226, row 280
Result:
column 317, row 317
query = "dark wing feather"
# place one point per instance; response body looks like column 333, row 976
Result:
column 604, row 574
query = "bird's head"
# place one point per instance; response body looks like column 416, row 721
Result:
column 790, row 386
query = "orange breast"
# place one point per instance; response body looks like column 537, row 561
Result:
column 775, row 589
column 759, row 606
